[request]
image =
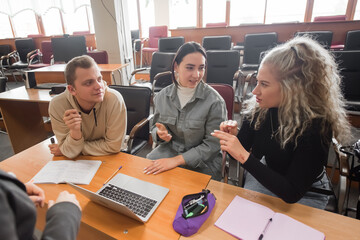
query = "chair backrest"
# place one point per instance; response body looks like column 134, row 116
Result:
column 137, row 101
column 323, row 37
column 350, row 71
column 2, row 84
column 219, row 24
column 100, row 57
column 35, row 35
column 5, row 50
column 352, row 41
column 155, row 33
column 216, row 42
column 47, row 51
column 81, row 32
column 23, row 47
column 330, row 18
column 256, row 43
column 222, row 65
column 135, row 34
column 161, row 62
column 170, row 44
column 227, row 93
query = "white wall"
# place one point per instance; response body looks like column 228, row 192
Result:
column 161, row 8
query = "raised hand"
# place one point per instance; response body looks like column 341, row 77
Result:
column 229, row 126
column 73, row 120
column 162, row 132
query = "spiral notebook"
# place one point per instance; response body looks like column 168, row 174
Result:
column 247, row 220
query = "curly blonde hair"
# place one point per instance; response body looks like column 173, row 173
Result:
column 310, row 88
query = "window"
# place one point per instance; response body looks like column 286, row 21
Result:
column 214, row 11
column 133, row 15
column 52, row 22
column 177, row 10
column 147, row 16
column 285, row 11
column 5, row 27
column 24, row 23
column 357, row 11
column 243, row 11
column 77, row 21
column 329, row 8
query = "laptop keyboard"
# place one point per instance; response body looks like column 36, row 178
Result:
column 140, row 205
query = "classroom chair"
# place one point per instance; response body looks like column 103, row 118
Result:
column 323, row 37
column 170, row 44
column 155, row 33
column 352, row 41
column 137, row 45
column 100, row 57
column 227, row 93
column 330, row 18
column 47, row 52
column 254, row 45
column 219, row 24
column 216, row 43
column 224, row 67
column 137, row 101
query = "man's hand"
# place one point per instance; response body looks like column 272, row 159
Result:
column 72, row 120
column 54, row 149
column 65, row 196
column 35, row 193
column 162, row 132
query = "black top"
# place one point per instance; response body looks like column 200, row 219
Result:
column 289, row 172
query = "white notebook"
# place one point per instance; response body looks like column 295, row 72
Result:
column 248, row 220
column 77, row 172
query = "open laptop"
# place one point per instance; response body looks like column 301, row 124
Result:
column 128, row 195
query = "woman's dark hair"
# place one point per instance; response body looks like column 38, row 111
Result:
column 185, row 49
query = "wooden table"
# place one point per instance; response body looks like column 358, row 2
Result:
column 334, row 226
column 98, row 222
column 23, row 111
column 55, row 73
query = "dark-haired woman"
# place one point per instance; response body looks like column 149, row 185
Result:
column 186, row 113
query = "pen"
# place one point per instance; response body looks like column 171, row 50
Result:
column 52, row 140
column 266, row 227
column 112, row 175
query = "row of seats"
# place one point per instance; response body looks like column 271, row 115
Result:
column 27, row 56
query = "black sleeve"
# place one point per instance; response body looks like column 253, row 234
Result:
column 246, row 134
column 307, row 162
column 62, row 222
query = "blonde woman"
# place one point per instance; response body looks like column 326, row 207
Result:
column 297, row 108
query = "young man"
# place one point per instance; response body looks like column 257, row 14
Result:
column 89, row 117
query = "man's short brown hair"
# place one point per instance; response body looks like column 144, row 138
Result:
column 84, row 61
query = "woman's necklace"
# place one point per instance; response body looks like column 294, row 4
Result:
column 272, row 128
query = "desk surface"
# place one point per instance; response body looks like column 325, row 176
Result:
column 26, row 94
column 334, row 226
column 99, row 222
column 61, row 68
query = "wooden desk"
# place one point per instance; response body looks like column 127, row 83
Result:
column 55, row 73
column 23, row 110
column 334, row 226
column 98, row 222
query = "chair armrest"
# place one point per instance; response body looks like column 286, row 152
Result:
column 138, row 70
column 158, row 77
column 135, row 129
column 31, row 55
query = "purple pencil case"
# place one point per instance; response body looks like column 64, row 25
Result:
column 193, row 212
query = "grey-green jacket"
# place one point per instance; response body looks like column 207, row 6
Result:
column 191, row 126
